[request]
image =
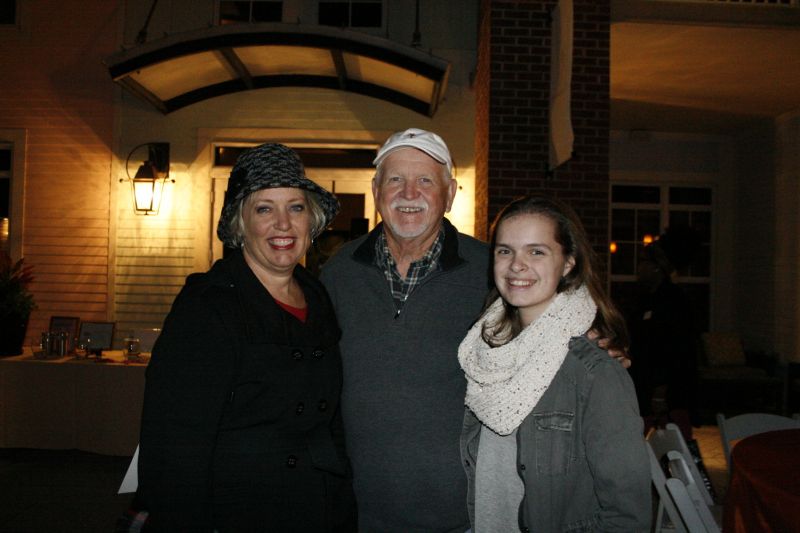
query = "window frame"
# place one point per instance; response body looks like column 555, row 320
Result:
column 217, row 9
column 692, row 284
column 14, row 24
column 18, row 141
column 664, row 207
column 308, row 13
column 18, row 30
column 380, row 28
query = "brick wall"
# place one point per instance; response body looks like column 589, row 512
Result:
column 482, row 102
column 518, row 41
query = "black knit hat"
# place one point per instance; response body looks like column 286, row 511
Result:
column 268, row 166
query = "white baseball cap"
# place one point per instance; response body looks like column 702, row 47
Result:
column 428, row 142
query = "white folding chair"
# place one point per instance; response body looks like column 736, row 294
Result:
column 679, row 470
column 741, row 426
column 667, row 516
column 669, row 439
column 688, row 513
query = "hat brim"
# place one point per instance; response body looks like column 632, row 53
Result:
column 378, row 160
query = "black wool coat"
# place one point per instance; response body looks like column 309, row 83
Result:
column 241, row 429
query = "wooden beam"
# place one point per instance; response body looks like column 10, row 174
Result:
column 234, row 66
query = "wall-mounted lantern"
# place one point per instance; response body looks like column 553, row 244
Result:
column 148, row 183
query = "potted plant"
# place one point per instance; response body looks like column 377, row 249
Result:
column 16, row 304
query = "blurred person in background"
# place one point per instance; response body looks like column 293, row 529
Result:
column 664, row 343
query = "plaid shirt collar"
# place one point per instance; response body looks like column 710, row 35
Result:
column 418, row 270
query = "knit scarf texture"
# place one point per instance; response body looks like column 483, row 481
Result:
column 505, row 383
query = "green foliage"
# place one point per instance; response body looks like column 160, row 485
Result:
column 15, row 277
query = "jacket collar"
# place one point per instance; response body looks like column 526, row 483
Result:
column 233, row 269
column 227, row 271
column 262, row 317
column 449, row 259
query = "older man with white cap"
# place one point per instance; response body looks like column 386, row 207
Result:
column 405, row 295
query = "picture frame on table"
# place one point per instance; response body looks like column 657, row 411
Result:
column 100, row 334
column 68, row 324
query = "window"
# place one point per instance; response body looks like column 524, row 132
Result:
column 639, row 215
column 12, row 185
column 8, row 12
column 5, row 194
column 351, row 14
column 235, row 12
column 311, row 157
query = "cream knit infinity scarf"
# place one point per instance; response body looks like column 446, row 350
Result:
column 504, row 384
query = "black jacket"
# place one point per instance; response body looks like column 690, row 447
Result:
column 663, row 345
column 241, row 429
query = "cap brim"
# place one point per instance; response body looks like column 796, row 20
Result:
column 381, row 157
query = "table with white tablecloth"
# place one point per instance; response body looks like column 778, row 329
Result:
column 70, row 403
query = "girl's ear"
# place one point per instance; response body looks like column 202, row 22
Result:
column 569, row 264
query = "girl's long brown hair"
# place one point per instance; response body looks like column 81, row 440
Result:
column 569, row 233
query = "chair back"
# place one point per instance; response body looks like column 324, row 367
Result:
column 688, row 514
column 667, row 516
column 741, row 426
column 679, row 470
column 723, row 349
column 670, row 438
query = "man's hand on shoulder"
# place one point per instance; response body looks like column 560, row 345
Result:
column 620, row 355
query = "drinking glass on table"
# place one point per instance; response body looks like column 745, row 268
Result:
column 40, row 347
column 83, row 347
column 131, row 348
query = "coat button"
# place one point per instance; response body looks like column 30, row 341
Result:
column 291, row 461
column 522, row 467
column 300, row 408
column 317, row 354
column 322, row 405
column 297, row 355
column 466, row 462
column 525, row 529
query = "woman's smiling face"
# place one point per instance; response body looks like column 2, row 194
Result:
column 277, row 229
column 528, row 263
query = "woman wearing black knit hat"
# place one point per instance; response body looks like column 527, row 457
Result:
column 241, row 429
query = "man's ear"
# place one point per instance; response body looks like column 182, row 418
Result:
column 375, row 187
column 452, row 188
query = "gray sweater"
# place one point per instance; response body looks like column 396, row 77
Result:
column 403, row 393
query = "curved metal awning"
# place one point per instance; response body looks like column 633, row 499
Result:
column 186, row 68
